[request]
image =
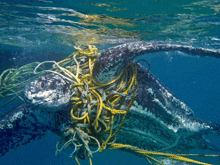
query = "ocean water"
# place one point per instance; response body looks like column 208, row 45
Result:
column 39, row 30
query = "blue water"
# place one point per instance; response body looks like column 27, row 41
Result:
column 39, row 30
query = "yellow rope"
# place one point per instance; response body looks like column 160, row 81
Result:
column 111, row 135
column 133, row 81
column 100, row 107
column 155, row 160
column 78, row 118
column 114, row 111
column 100, row 113
column 90, row 159
column 111, row 82
column 77, row 161
column 145, row 153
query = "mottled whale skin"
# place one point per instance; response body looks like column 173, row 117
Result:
column 158, row 120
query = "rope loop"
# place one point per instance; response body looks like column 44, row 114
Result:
column 95, row 116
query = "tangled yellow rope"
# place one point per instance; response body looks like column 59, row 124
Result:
column 147, row 154
column 93, row 116
column 105, row 111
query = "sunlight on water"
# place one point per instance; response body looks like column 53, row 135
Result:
column 38, row 23
column 38, row 30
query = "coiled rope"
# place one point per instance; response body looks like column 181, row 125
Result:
column 95, row 111
column 95, row 117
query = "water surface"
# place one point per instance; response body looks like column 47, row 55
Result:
column 38, row 30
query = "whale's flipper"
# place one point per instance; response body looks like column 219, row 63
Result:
column 21, row 127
